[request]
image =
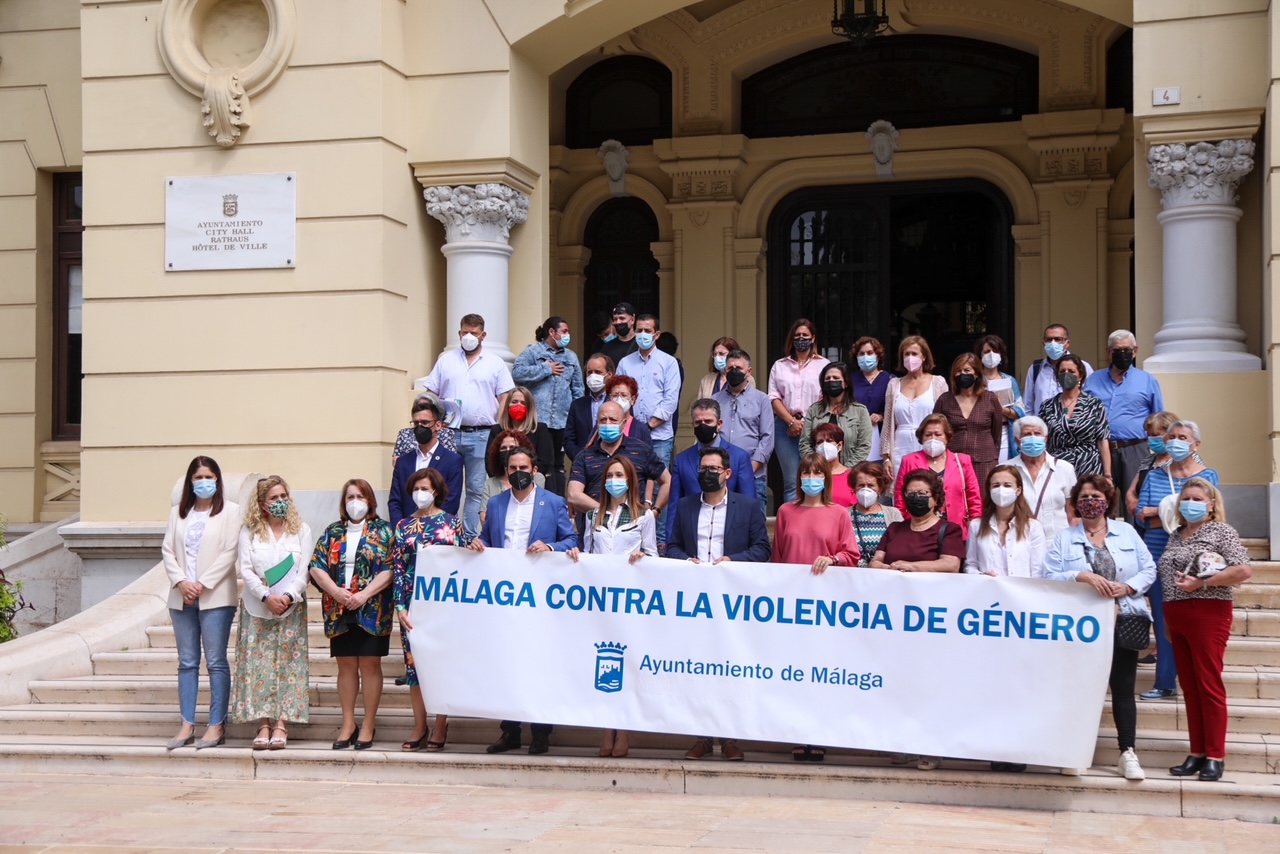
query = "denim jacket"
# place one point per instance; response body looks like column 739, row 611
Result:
column 1068, row 557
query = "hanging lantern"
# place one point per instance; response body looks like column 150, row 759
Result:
column 858, row 20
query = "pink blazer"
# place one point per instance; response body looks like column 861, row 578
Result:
column 960, row 486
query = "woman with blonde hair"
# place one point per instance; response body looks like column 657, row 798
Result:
column 520, row 413
column 272, row 673
column 908, row 400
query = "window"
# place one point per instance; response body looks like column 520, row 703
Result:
column 627, row 98
column 68, row 304
column 622, row 267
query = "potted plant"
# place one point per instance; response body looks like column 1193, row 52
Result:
column 11, row 601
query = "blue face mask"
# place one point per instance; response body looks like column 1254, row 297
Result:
column 812, row 485
column 644, row 340
column 610, row 337
column 1193, row 511
column 1032, row 446
column 610, row 432
column 204, row 488
column 616, row 486
column 1054, row 350
column 1156, row 444
column 1179, row 449
column 720, row 362
column 868, row 363
column 564, row 340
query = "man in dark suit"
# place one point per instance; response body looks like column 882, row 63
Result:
column 684, row 468
column 715, row 526
column 526, row 518
column 581, row 424
column 427, row 417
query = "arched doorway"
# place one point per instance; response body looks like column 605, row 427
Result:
column 622, row 267
column 931, row 258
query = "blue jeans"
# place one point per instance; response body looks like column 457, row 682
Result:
column 471, row 445
column 787, row 449
column 663, row 448
column 762, row 490
column 1166, row 667
column 192, row 627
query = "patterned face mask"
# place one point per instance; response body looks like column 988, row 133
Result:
column 279, row 508
column 1091, row 508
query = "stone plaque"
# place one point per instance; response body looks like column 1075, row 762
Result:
column 230, row 222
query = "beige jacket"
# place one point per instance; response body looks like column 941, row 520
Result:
column 215, row 563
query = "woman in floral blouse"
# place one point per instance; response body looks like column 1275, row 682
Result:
column 1198, row 610
column 351, row 565
column 430, row 525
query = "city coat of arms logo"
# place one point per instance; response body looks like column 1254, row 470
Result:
column 230, row 204
column 609, row 666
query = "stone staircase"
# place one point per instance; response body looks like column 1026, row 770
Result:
column 115, row 719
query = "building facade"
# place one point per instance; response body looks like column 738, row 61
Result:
column 984, row 166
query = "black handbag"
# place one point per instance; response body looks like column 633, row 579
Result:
column 1133, row 631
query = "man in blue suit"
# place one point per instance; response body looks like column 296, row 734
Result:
column 527, row 518
column 684, row 468
column 427, row 416
column 716, row 526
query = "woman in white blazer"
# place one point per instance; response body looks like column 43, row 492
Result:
column 272, row 673
column 1006, row 541
column 199, row 556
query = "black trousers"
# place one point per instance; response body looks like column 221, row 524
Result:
column 555, row 478
column 1124, row 706
column 544, row 730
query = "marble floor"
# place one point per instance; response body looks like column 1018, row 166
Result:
column 115, row 815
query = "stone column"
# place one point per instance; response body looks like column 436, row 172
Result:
column 477, row 229
column 1198, row 183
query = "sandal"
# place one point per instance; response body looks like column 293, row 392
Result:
column 414, row 745
column 801, row 754
column 610, row 738
column 262, row 741
column 621, row 745
column 278, row 743
column 817, row 754
column 436, row 745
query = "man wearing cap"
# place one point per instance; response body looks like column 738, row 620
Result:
column 624, row 326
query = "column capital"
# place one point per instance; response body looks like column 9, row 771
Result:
column 480, row 212
column 1199, row 173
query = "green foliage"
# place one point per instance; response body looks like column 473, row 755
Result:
column 11, row 601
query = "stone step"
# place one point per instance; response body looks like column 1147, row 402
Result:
column 1256, row 623
column 1258, row 717
column 1245, row 796
column 159, row 662
column 154, row 724
column 1259, row 549
column 1258, row 595
column 161, row 637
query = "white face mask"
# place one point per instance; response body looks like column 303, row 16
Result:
column 356, row 509
column 424, row 498
column 1004, row 496
column 828, row 450
column 991, row 360
column 867, row 497
column 595, row 383
column 625, row 403
column 934, row 447
column 470, row 342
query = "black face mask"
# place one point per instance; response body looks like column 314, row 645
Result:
column 709, row 481
column 520, row 480
column 736, row 377
column 966, row 380
column 918, row 505
column 705, row 433
column 833, row 388
column 423, row 434
column 1121, row 360
column 623, row 329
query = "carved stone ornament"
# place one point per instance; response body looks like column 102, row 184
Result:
column 482, row 212
column 884, row 142
column 226, row 51
column 615, row 156
column 1200, row 173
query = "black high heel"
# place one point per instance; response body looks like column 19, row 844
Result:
column 365, row 745
column 413, row 746
column 344, row 743
column 1190, row 765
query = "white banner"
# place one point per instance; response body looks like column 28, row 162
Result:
column 974, row 667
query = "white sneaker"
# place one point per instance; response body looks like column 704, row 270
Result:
column 1129, row 766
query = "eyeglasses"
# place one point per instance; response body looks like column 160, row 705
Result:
column 423, row 423
column 921, row 494
column 712, row 469
column 1060, row 339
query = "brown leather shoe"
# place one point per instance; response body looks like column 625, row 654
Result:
column 731, row 751
column 700, row 748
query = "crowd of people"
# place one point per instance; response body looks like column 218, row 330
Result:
column 1084, row 477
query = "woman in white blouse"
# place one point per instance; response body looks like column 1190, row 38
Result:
column 908, row 401
column 199, row 556
column 272, row 672
column 621, row 526
column 1047, row 480
column 1006, row 541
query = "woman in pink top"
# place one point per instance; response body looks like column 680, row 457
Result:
column 813, row 530
column 959, row 481
column 795, row 384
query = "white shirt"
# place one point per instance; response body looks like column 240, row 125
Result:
column 1016, row 558
column 1042, row 384
column 196, row 520
column 475, row 387
column 519, row 520
column 1057, row 479
column 258, row 554
column 638, row 535
column 711, row 529
column 657, row 377
column 424, row 460
column 354, row 531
